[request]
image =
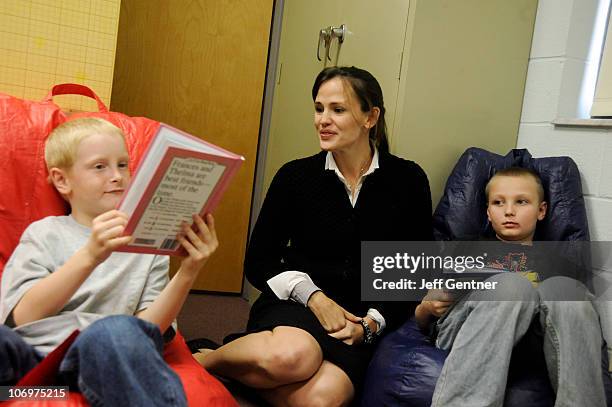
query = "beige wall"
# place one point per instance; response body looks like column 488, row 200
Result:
column 292, row 134
column 463, row 80
column 461, row 84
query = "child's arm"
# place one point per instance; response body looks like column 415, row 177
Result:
column 48, row 296
column 199, row 247
column 431, row 308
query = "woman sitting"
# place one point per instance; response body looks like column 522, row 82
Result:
column 309, row 336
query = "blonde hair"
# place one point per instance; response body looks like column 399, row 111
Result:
column 62, row 144
column 518, row 172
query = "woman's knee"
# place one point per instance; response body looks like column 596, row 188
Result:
column 293, row 354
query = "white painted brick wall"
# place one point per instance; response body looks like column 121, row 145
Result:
column 551, row 28
column 559, row 57
column 571, row 89
column 542, row 90
column 605, row 183
column 586, row 147
column 599, row 212
column 582, row 17
column 556, row 88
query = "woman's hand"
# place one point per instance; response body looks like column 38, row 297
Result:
column 332, row 317
column 351, row 334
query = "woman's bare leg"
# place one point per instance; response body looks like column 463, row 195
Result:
column 329, row 386
column 268, row 359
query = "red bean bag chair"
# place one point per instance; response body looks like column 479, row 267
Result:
column 27, row 196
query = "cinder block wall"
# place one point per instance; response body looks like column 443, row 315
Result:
column 559, row 86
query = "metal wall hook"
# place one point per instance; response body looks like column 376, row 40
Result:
column 339, row 32
column 325, row 36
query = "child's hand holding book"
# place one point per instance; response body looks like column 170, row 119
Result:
column 437, row 302
column 106, row 235
column 199, row 244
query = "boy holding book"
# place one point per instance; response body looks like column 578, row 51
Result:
column 480, row 330
column 64, row 275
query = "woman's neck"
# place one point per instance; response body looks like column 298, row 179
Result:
column 353, row 164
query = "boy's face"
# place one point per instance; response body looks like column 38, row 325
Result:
column 514, row 207
column 98, row 178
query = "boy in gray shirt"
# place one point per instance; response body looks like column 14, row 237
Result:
column 64, row 275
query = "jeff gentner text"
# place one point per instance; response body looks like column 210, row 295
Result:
column 438, row 283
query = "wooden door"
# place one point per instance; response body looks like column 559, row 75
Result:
column 199, row 65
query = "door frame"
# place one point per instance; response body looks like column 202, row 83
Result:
column 266, row 112
column 264, row 127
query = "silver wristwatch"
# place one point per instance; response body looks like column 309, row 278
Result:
column 368, row 336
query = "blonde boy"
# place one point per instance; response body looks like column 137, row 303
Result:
column 65, row 275
column 481, row 331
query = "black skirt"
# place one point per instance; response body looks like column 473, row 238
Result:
column 269, row 312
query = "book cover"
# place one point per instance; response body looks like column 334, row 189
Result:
column 179, row 175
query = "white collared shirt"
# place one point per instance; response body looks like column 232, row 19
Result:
column 330, row 164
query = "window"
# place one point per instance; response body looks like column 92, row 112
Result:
column 602, row 102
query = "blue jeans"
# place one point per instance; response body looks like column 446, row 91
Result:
column 116, row 361
column 16, row 357
column 481, row 333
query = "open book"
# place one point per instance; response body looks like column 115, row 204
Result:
column 179, row 175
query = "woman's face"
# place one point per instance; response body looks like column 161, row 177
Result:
column 338, row 118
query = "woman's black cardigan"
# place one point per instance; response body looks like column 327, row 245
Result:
column 308, row 224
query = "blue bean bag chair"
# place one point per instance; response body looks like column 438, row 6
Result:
column 406, row 365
